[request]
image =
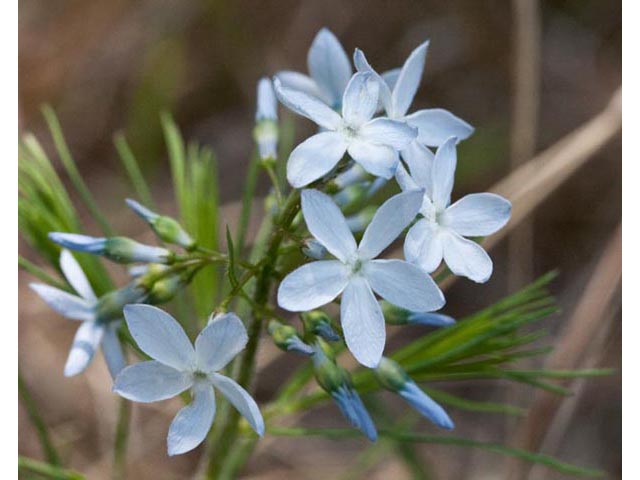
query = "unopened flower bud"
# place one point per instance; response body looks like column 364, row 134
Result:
column 313, row 249
column 286, row 338
column 117, row 249
column 109, row 306
column 395, row 315
column 166, row 228
column 318, row 323
column 265, row 132
column 393, row 377
column 336, row 382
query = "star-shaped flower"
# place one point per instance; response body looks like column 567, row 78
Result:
column 398, row 88
column 94, row 331
column 329, row 67
column 374, row 144
column 178, row 366
column 440, row 234
column 356, row 273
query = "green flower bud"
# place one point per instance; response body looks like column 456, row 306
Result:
column 166, row 228
column 286, row 338
column 391, row 375
column 317, row 322
column 109, row 306
column 125, row 250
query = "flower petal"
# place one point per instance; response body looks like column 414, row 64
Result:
column 300, row 82
column 159, row 335
column 192, row 423
column 432, row 319
column 77, row 242
column 241, row 400
column 67, row 305
column 83, row 348
column 354, row 410
column 424, row 404
column 404, row 180
column 378, row 160
column 390, row 77
column 75, row 275
column 327, row 224
column 385, row 131
column 112, row 350
column 435, row 125
column 329, row 65
column 362, row 65
column 312, row 285
column 362, row 322
column 408, row 81
column 477, row 214
column 219, row 342
column 444, row 170
column 419, row 159
column 267, row 105
column 360, row 99
column 404, row 285
column 307, row 106
column 151, row 381
column 466, row 258
column 423, row 245
column 390, row 220
column 315, row 157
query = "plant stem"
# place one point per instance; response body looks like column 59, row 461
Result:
column 120, row 444
column 46, row 470
column 49, row 450
column 218, row 455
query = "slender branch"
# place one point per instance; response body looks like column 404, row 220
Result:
column 46, row 470
column 121, row 440
column 49, row 450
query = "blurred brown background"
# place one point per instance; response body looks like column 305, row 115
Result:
column 113, row 65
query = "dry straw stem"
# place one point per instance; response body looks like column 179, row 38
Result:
column 574, row 344
column 524, row 125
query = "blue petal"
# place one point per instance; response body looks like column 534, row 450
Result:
column 425, row 405
column 67, row 305
column 294, row 344
column 354, row 410
column 150, row 381
column 85, row 344
column 79, row 243
column 432, row 319
column 241, row 400
column 329, row 65
column 141, row 210
column 191, row 425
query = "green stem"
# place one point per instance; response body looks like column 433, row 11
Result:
column 246, row 365
column 39, row 273
column 49, row 450
column 120, row 443
column 31, row 465
column 133, row 170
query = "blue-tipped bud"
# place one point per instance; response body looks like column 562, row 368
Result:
column 351, row 194
column 265, row 132
column 336, row 382
column 317, row 322
column 313, row 249
column 359, row 221
column 395, row 315
column 349, row 177
column 166, row 228
column 109, row 306
column 286, row 338
column 392, row 377
column 117, row 249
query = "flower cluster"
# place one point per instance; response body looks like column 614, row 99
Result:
column 350, row 215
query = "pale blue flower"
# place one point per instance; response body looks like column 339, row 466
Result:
column 94, row 330
column 393, row 377
column 266, row 129
column 117, row 249
column 397, row 90
column 440, row 233
column 372, row 143
column 329, row 69
column 178, row 366
column 356, row 273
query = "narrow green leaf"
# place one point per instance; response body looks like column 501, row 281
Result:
column 132, row 168
column 542, row 459
column 30, row 465
column 474, row 406
column 39, row 273
column 72, row 170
